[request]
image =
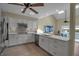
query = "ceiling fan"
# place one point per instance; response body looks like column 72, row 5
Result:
column 29, row 6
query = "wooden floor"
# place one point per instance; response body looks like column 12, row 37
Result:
column 24, row 50
column 30, row 50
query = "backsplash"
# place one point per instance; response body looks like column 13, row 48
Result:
column 21, row 28
column 13, row 27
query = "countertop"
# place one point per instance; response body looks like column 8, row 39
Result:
column 51, row 36
column 23, row 33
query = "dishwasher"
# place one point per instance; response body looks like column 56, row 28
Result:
column 37, row 39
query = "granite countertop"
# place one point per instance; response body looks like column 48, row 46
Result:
column 23, row 33
column 50, row 36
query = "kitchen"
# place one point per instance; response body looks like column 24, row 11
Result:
column 45, row 31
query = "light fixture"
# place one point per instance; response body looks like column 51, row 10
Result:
column 60, row 12
column 66, row 21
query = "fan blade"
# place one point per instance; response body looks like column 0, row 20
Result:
column 37, row 4
column 16, row 4
column 33, row 10
column 27, row 4
column 24, row 10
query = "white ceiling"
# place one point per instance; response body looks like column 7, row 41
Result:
column 47, row 9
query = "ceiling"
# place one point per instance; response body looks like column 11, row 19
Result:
column 46, row 10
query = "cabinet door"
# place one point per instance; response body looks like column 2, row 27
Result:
column 30, row 37
column 26, row 38
column 62, row 48
column 22, row 39
column 62, row 51
column 52, row 46
column 58, row 47
column 13, row 39
column 43, row 42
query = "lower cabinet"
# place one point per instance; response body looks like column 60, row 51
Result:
column 25, row 38
column 43, row 42
column 15, row 39
column 54, row 46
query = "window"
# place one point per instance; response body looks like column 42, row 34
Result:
column 66, row 28
column 48, row 29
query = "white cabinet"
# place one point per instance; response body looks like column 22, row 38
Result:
column 25, row 38
column 58, row 47
column 15, row 39
column 54, row 46
column 43, row 42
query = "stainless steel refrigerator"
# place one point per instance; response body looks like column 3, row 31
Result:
column 2, row 40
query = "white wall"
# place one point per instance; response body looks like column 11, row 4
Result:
column 49, row 20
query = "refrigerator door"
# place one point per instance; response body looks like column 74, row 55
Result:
column 1, row 36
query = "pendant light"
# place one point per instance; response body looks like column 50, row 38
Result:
column 65, row 21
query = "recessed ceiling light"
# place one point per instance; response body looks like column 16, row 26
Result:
column 60, row 12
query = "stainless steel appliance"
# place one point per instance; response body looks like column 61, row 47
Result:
column 37, row 39
column 2, row 40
